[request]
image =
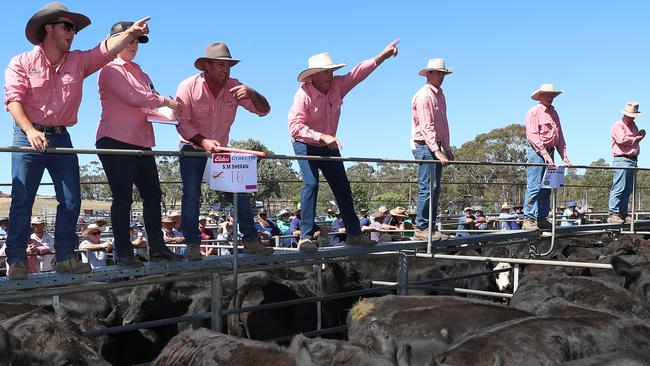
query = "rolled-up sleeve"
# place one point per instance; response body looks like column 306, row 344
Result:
column 248, row 103
column 298, row 128
column 184, row 96
column 16, row 82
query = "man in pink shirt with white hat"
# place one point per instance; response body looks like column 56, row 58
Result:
column 313, row 121
column 625, row 148
column 544, row 135
column 43, row 93
column 430, row 141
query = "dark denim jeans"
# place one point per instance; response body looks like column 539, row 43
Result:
column 425, row 173
column 334, row 173
column 192, row 174
column 622, row 183
column 26, row 171
column 123, row 172
column 537, row 201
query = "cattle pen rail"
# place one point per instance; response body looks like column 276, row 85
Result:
column 215, row 267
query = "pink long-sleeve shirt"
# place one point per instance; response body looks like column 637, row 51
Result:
column 206, row 114
column 314, row 113
column 625, row 139
column 51, row 94
column 429, row 111
column 126, row 94
column 543, row 129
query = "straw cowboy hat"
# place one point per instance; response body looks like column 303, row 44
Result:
column 398, row 212
column 38, row 221
column 34, row 30
column 89, row 228
column 437, row 64
column 174, row 214
column 215, row 51
column 545, row 88
column 631, row 109
column 283, row 212
column 122, row 26
column 382, row 209
column 506, row 206
column 318, row 63
column 167, row 220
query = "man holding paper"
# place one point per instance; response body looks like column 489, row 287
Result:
column 127, row 94
column 544, row 135
column 209, row 104
column 43, row 89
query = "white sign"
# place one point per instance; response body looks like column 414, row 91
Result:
column 234, row 173
column 553, row 178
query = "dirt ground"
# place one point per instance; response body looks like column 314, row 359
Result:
column 47, row 206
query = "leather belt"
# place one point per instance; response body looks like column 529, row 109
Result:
column 631, row 157
column 50, row 129
column 419, row 142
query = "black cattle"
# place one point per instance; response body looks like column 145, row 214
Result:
column 547, row 341
column 12, row 353
column 589, row 292
column 204, row 347
column 637, row 278
column 10, row 309
column 627, row 357
column 331, row 352
column 59, row 342
column 417, row 334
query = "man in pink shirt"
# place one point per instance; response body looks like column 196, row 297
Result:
column 43, row 93
column 544, row 135
column 625, row 148
column 313, row 121
column 209, row 103
column 430, row 136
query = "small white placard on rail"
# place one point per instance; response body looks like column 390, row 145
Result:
column 230, row 172
column 553, row 178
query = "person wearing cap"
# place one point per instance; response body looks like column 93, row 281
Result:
column 625, row 148
column 570, row 216
column 506, row 219
column 544, row 135
column 480, row 220
column 43, row 89
column 44, row 242
column 465, row 222
column 264, row 226
column 430, row 141
column 313, row 122
column 375, row 226
column 364, row 220
column 126, row 94
column 283, row 222
column 519, row 213
column 337, row 234
column 209, row 104
column 330, row 215
column 95, row 248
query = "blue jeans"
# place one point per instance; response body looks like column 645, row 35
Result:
column 26, row 171
column 622, row 184
column 334, row 173
column 537, row 201
column 192, row 175
column 425, row 172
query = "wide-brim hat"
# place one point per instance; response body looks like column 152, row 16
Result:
column 437, row 64
column 167, row 220
column 122, row 26
column 215, row 51
column 572, row 204
column 89, row 228
column 377, row 214
column 34, row 29
column 283, row 212
column 382, row 209
column 631, row 109
column 318, row 63
column 38, row 221
column 398, row 212
column 468, row 209
column 545, row 88
column 505, row 206
column 174, row 214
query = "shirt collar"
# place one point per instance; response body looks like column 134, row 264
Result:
column 311, row 89
column 434, row 89
column 547, row 109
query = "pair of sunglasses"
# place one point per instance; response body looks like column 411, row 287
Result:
column 69, row 27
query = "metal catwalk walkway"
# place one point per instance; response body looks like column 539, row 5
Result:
column 52, row 283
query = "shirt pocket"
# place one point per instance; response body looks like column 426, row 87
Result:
column 547, row 127
column 71, row 85
column 38, row 88
column 201, row 112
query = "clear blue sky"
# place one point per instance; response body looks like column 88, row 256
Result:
column 596, row 51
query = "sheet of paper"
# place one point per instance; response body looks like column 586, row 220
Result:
column 164, row 115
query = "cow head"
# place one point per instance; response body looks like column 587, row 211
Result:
column 636, row 280
column 503, row 278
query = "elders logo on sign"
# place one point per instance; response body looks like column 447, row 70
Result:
column 221, row 158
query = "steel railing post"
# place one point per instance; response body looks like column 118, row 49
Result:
column 633, row 200
column 216, row 291
column 402, row 275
